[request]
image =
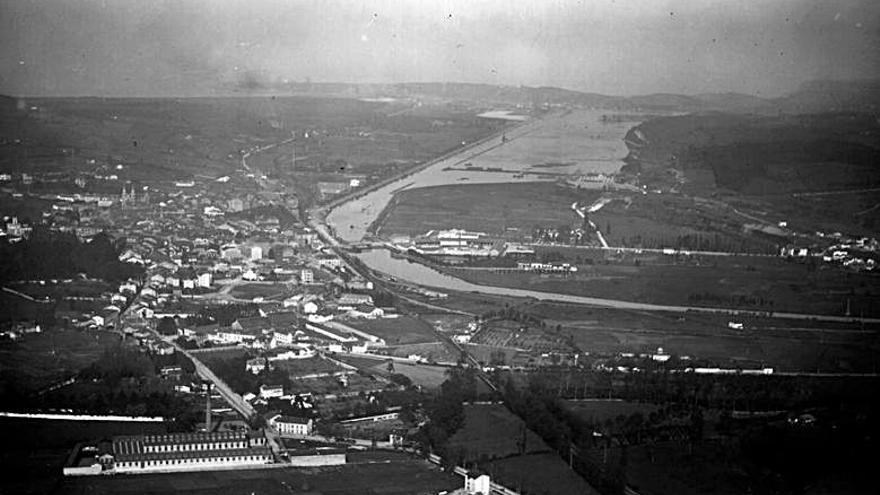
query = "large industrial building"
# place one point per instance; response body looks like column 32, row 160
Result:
column 171, row 452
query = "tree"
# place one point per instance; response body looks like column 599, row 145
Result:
column 167, row 326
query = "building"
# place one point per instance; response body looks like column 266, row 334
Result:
column 351, row 300
column 255, row 365
column 271, row 391
column 173, row 452
column 306, row 276
column 292, row 425
column 477, row 483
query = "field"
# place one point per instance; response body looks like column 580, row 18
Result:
column 396, row 331
column 307, row 366
column 787, row 345
column 492, row 431
column 673, row 221
column 513, row 334
column 161, row 140
column 513, row 209
column 598, row 410
column 759, row 283
column 402, row 477
column 424, row 375
column 38, row 360
column 538, row 474
column 266, row 291
column 764, row 160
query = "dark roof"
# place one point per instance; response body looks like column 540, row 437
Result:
column 192, row 454
column 293, row 419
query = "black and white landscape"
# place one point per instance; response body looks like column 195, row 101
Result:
column 502, row 247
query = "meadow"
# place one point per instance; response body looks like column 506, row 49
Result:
column 510, row 209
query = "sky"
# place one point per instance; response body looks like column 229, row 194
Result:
column 616, row 47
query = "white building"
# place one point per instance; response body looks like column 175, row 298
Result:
column 306, row 276
column 292, row 425
column 270, row 391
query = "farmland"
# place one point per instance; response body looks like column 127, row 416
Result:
column 163, row 140
column 759, row 283
column 783, row 344
column 397, row 331
column 423, row 375
column 598, row 411
column 38, row 360
column 397, row 477
column 265, row 291
column 492, row 431
column 539, row 474
column 500, row 209
column 308, row 366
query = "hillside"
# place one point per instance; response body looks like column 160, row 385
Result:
column 761, row 155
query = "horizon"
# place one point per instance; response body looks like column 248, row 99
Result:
column 199, row 48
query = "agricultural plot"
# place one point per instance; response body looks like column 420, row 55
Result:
column 598, row 411
column 539, row 474
column 396, row 331
column 492, row 431
column 511, row 209
column 786, row 345
column 308, row 366
column 512, row 334
column 423, row 375
column 671, row 221
column 38, row 360
column 265, row 291
column 398, row 477
column 756, row 283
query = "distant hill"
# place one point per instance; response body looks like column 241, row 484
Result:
column 761, row 154
column 832, row 96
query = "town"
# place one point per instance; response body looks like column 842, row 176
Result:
column 437, row 249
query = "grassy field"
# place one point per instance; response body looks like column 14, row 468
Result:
column 538, row 474
column 491, row 430
column 397, row 477
column 598, row 410
column 766, row 284
column 498, row 209
column 787, row 345
column 38, row 360
column 424, row 375
column 673, row 221
column 266, row 291
column 396, row 331
column 307, row 366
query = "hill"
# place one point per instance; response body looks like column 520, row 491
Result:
column 761, row 155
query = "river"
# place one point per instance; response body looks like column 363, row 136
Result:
column 575, row 142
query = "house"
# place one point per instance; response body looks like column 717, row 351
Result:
column 271, row 391
column 205, row 280
column 475, row 482
column 306, row 276
column 292, row 425
column 310, row 308
column 297, row 351
column 255, row 365
column 351, row 300
column 366, row 311
column 165, row 350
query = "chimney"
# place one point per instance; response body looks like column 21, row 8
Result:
column 208, row 410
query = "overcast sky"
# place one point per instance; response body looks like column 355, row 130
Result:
column 622, row 47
